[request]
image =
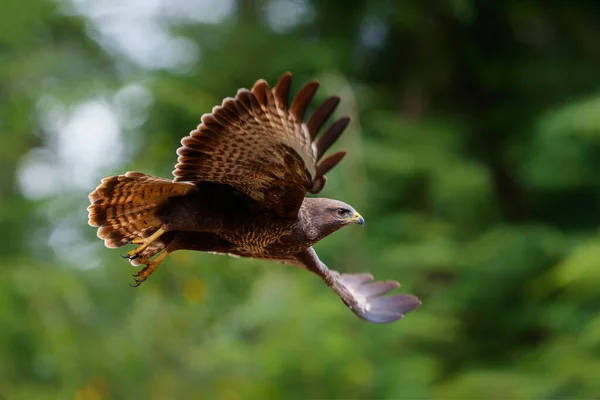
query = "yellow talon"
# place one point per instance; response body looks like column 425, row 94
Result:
column 150, row 267
column 144, row 243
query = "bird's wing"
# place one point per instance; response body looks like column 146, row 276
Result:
column 262, row 147
column 358, row 291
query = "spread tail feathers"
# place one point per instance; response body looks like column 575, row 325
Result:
column 125, row 207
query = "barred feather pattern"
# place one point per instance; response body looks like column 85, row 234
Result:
column 261, row 146
column 124, row 207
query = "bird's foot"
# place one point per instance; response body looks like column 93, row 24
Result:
column 364, row 297
column 143, row 244
column 145, row 272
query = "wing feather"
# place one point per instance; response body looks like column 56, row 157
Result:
column 327, row 164
column 261, row 146
column 281, row 91
column 302, row 100
column 321, row 114
column 332, row 134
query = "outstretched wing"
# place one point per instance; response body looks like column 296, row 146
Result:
column 262, row 147
column 360, row 294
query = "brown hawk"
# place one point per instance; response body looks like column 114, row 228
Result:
column 239, row 189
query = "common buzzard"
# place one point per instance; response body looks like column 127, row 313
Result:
column 239, row 189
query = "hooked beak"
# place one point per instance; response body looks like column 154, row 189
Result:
column 358, row 219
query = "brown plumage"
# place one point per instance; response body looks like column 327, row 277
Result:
column 239, row 189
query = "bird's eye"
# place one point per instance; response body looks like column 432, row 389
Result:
column 341, row 212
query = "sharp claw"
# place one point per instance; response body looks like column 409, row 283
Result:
column 143, row 274
column 138, row 282
column 130, row 256
column 134, row 256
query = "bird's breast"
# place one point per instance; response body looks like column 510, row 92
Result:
column 259, row 236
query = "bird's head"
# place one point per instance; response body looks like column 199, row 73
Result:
column 331, row 215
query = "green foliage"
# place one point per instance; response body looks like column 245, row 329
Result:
column 473, row 155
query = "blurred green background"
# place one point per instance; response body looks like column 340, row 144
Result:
column 474, row 155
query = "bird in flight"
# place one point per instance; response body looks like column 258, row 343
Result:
column 239, row 189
